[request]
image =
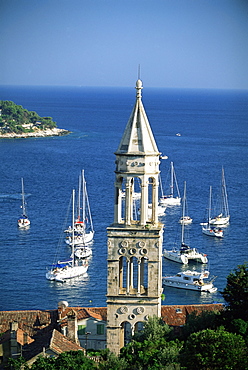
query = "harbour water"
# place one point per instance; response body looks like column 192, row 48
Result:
column 214, row 132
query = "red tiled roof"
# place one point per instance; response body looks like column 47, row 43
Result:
column 28, row 321
column 177, row 315
column 59, row 343
column 98, row 313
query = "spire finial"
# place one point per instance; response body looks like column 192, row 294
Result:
column 139, row 86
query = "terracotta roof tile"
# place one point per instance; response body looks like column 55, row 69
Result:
column 59, row 343
column 177, row 315
column 28, row 321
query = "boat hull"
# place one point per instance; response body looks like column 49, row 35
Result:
column 181, row 285
column 23, row 223
column 212, row 232
column 218, row 221
column 185, row 220
column 169, row 201
column 81, row 239
column 69, row 272
column 190, row 280
column 175, row 256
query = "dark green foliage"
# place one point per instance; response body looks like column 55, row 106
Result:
column 157, row 354
column 151, row 348
column 13, row 117
column 109, row 361
column 214, row 349
column 72, row 360
column 154, row 329
column 204, row 320
column 236, row 293
column 16, row 364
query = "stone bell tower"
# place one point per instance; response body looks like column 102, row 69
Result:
column 136, row 235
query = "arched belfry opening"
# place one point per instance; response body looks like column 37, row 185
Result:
column 136, row 235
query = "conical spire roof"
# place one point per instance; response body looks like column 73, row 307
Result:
column 138, row 138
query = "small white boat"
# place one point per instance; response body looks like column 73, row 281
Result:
column 23, row 222
column 186, row 220
column 62, row 270
column 206, row 227
column 170, row 199
column 83, row 252
column 190, row 280
column 223, row 216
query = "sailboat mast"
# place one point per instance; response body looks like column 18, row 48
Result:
column 209, row 205
column 73, row 231
column 161, row 186
column 224, row 194
column 79, row 198
column 171, row 185
column 183, row 215
column 23, row 199
column 83, row 187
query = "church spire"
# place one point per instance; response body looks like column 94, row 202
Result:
column 138, row 137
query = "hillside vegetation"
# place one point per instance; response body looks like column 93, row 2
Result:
column 15, row 119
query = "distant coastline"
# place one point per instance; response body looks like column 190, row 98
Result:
column 37, row 133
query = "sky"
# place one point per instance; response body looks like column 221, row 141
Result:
column 177, row 43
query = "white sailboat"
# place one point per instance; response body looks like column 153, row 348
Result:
column 185, row 254
column 185, row 219
column 83, row 226
column 206, row 227
column 62, row 270
column 223, row 217
column 170, row 199
column 190, row 280
column 23, row 221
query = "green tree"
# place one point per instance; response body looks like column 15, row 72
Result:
column 151, row 348
column 236, row 292
column 14, row 116
column 110, row 361
column 214, row 350
column 204, row 320
column 151, row 355
column 154, row 329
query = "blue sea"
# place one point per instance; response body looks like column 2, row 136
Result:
column 214, row 132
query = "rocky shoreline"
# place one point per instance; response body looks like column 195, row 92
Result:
column 37, row 133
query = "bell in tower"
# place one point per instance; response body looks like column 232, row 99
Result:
column 136, row 235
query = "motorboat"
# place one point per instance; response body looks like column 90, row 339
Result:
column 171, row 199
column 190, row 280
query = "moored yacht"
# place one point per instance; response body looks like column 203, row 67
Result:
column 191, row 280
